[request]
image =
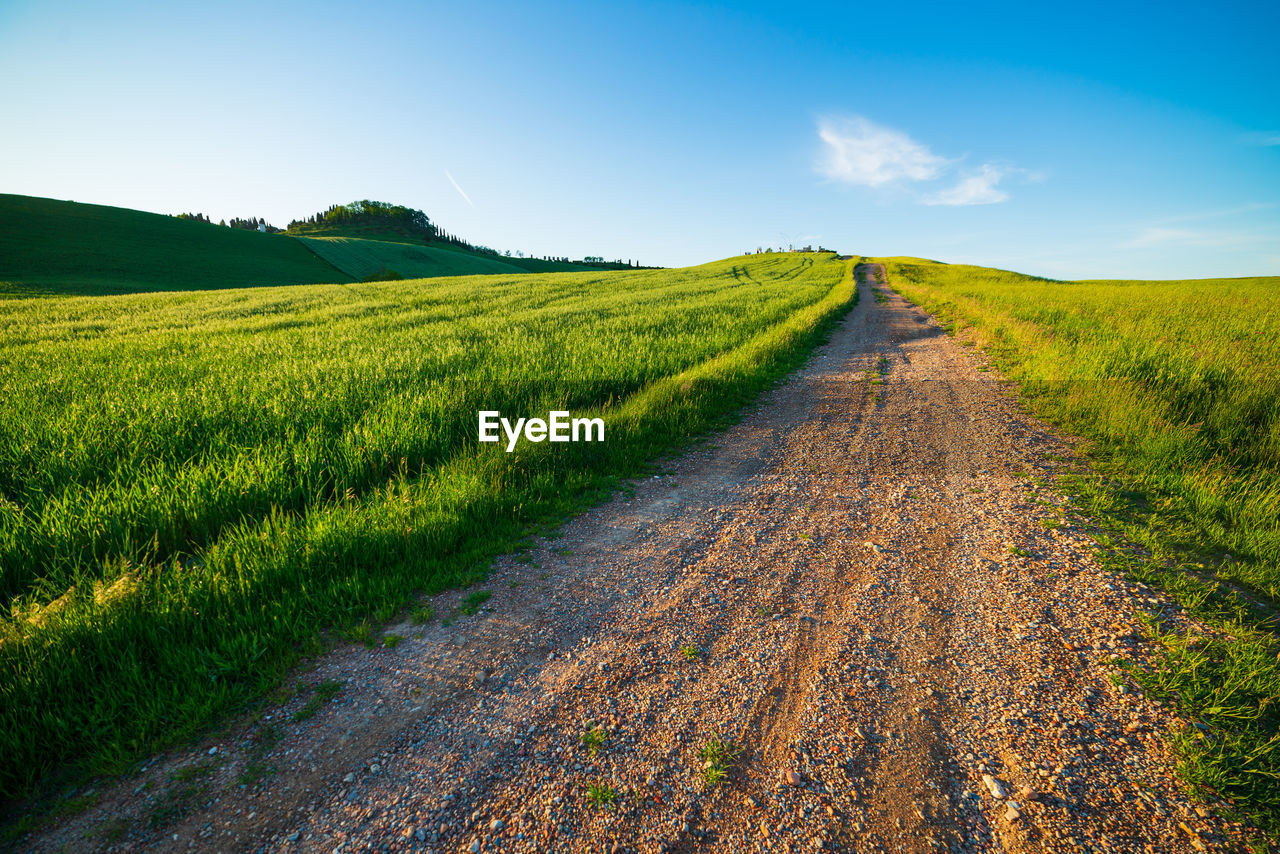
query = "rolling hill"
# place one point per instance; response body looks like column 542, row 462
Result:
column 56, row 247
column 363, row 259
column 50, row 247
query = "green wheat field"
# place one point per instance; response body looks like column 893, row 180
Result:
column 194, row 486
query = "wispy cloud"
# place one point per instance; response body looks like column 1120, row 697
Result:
column 461, row 192
column 978, row 189
column 862, row 152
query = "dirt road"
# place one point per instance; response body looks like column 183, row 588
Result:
column 867, row 591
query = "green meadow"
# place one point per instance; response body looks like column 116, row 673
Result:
column 198, row 488
column 54, row 247
column 1176, row 386
column 50, row 248
column 368, row 259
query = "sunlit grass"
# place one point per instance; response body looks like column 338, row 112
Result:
column 195, row 486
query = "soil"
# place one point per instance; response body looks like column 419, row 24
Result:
column 867, row 593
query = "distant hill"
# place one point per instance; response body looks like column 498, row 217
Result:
column 381, row 221
column 372, row 220
column 54, row 247
column 543, row 265
column 367, row 260
column 383, row 259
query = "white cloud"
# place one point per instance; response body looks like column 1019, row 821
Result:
column 859, row 151
column 979, row 189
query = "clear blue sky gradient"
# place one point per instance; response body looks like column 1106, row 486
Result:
column 1102, row 139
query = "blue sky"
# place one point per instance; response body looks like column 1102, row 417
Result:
column 1088, row 140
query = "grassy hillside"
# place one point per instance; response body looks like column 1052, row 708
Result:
column 366, row 259
column 376, row 230
column 539, row 265
column 397, row 224
column 193, row 486
column 1177, row 384
column 370, row 259
column 53, row 247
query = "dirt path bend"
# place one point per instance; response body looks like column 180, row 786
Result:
column 860, row 590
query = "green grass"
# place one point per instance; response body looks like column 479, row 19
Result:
column 53, row 247
column 196, row 487
column 1177, row 386
column 361, row 259
column 593, row 739
column 50, row 247
column 472, row 602
column 539, row 265
column 601, row 795
column 717, row 756
column 364, row 244
column 361, row 632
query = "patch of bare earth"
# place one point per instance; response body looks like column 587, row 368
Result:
column 855, row 587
